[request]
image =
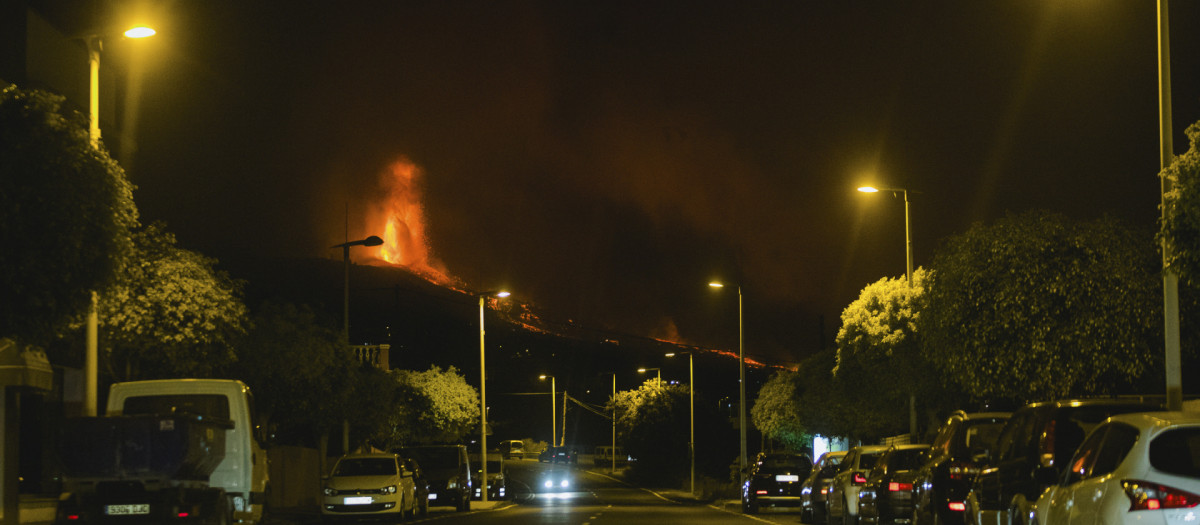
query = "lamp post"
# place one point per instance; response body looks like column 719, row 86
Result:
column 1172, row 359
column 91, row 360
column 553, row 410
column 614, row 426
column 483, row 394
column 659, row 370
column 912, row 397
column 691, row 412
column 369, row 241
column 741, row 382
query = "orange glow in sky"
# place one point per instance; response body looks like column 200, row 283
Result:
column 403, row 223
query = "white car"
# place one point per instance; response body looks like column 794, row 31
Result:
column 842, row 501
column 1141, row 468
column 369, row 486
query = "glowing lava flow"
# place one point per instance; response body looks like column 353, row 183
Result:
column 404, row 241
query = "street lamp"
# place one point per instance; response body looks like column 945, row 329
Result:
column 907, row 236
column 741, row 381
column 614, row 426
column 553, row 410
column 369, row 241
column 92, row 358
column 659, row 370
column 483, row 393
column 912, row 398
column 691, row 413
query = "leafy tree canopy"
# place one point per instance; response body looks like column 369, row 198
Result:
column 1181, row 220
column 776, row 411
column 435, row 406
column 171, row 313
column 1039, row 306
column 652, row 425
column 66, row 210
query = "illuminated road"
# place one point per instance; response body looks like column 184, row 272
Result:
column 596, row 499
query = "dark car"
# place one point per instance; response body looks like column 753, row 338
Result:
column 497, row 485
column 422, row 484
column 556, row 480
column 559, row 455
column 814, row 489
column 1038, row 436
column 886, row 497
column 941, row 483
column 774, row 481
column 448, row 472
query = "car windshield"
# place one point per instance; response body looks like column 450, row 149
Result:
column 434, row 458
column 866, row 461
column 492, row 466
column 980, row 435
column 365, row 467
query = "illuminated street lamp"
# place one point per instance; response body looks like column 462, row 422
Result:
column 92, row 358
column 659, row 370
column 912, row 398
column 483, row 393
column 741, row 381
column 691, row 413
column 369, row 241
column 907, row 236
column 553, row 410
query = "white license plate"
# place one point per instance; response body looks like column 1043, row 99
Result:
column 787, row 477
column 127, row 510
column 360, row 500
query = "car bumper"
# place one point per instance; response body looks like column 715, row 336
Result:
column 360, row 505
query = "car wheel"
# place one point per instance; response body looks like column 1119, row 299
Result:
column 423, row 506
column 806, row 515
column 464, row 503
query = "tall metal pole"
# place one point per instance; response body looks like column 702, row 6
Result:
column 614, row 426
column 483, row 478
column 1166, row 155
column 553, row 414
column 346, row 293
column 91, row 362
column 692, row 418
column 742, row 389
column 912, row 396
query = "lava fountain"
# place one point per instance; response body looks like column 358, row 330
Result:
column 403, row 223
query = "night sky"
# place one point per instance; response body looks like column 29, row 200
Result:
column 604, row 160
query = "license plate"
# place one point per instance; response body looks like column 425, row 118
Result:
column 787, row 477
column 360, row 500
column 127, row 510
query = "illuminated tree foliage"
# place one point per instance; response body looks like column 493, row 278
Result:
column 170, row 313
column 66, row 210
column 435, row 406
column 776, row 411
column 1181, row 221
column 1037, row 306
column 652, row 425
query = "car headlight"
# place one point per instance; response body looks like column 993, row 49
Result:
column 389, row 490
column 563, row 483
column 329, row 491
column 548, row 484
column 452, row 484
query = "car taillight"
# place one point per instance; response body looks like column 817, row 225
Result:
column 1144, row 495
column 962, row 471
column 957, row 506
column 760, row 492
column 897, row 487
column 824, row 490
column 859, row 479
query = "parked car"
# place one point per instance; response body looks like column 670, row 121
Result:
column 559, row 455
column 605, row 457
column 886, row 497
column 941, row 483
column 841, row 503
column 497, row 485
column 814, row 489
column 1132, row 469
column 1041, row 435
column 448, row 471
column 512, row 449
column 369, row 486
column 420, row 483
column 774, row 481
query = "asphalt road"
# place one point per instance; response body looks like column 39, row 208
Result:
column 594, row 499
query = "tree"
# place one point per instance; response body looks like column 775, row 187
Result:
column 1180, row 228
column 435, row 406
column 298, row 369
column 1038, row 306
column 66, row 211
column 652, row 425
column 170, row 313
column 776, row 411
column 879, row 351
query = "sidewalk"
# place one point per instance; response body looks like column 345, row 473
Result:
column 38, row 510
